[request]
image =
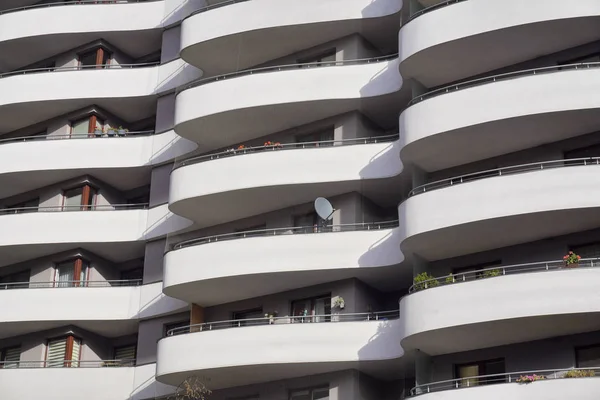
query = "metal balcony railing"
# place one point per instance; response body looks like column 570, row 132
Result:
column 500, row 271
column 285, row 146
column 78, row 68
column 216, row 5
column 513, row 169
column 433, row 8
column 501, row 77
column 70, row 284
column 509, row 377
column 272, row 320
column 35, row 138
column 66, row 364
column 104, row 207
column 361, row 226
column 286, row 67
column 72, row 3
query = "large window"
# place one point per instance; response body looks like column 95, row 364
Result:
column 17, row 280
column 175, row 325
column 88, row 126
column 72, row 273
column 10, row 357
column 97, row 57
column 326, row 57
column 81, row 198
column 588, row 250
column 472, row 271
column 588, row 357
column 63, row 352
column 313, row 309
column 584, row 152
column 126, row 355
column 319, row 393
column 240, row 317
column 308, row 221
column 469, row 373
column 322, row 135
column 23, row 207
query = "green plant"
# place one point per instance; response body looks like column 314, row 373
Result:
column 530, row 378
column 450, row 279
column 571, row 258
column 579, row 373
column 424, row 281
column 191, row 388
column 490, row 273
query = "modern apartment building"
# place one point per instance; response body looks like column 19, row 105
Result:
column 159, row 163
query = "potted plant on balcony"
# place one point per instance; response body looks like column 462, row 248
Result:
column 571, row 260
column 424, row 281
column 122, row 131
column 273, row 145
column 111, row 131
column 338, row 302
column 530, row 378
column 579, row 373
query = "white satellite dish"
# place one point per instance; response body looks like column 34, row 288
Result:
column 324, row 208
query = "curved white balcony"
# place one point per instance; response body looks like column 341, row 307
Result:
column 116, row 232
column 253, row 29
column 133, row 26
column 275, row 260
column 447, row 36
column 502, row 207
column 127, row 90
column 249, row 104
column 96, row 383
column 514, row 111
column 507, row 304
column 22, row 158
column 202, row 189
column 107, row 308
column 230, row 356
column 553, row 386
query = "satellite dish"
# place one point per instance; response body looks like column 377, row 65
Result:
column 324, row 208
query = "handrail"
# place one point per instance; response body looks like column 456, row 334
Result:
column 285, row 146
column 100, row 207
column 508, row 377
column 500, row 77
column 213, row 6
column 286, row 231
column 513, row 169
column 20, row 139
column 68, row 364
column 433, row 8
column 78, row 68
column 72, row 3
column 70, row 284
column 253, row 71
column 499, row 271
column 290, row 319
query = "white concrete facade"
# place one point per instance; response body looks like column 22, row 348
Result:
column 159, row 165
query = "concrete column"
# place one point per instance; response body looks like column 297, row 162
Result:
column 419, row 176
column 415, row 6
column 423, row 368
column 419, row 264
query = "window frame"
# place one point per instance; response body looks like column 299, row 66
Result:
column 87, row 191
column 310, row 390
column 93, row 120
column 78, row 263
column 68, row 349
column 174, row 325
column 3, row 352
column 101, row 52
column 481, row 364
column 578, row 348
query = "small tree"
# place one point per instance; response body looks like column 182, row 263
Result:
column 192, row 388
